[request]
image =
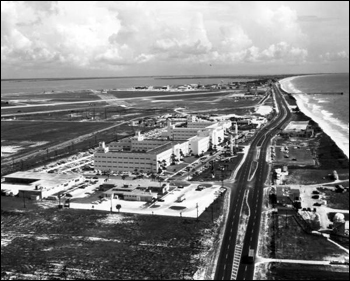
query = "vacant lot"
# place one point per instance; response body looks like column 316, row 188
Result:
column 287, row 271
column 76, row 244
column 336, row 200
column 313, row 176
column 289, row 241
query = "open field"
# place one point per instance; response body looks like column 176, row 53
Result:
column 72, row 244
column 287, row 271
column 289, row 241
column 313, row 176
column 47, row 97
column 20, row 132
column 336, row 200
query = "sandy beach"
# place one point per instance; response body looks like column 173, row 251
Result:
column 327, row 128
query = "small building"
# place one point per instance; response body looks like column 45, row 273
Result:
column 39, row 184
column 298, row 129
column 286, row 196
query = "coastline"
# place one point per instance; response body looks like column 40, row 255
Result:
column 335, row 136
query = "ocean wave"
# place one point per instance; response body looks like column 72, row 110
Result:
column 333, row 127
column 323, row 101
column 312, row 107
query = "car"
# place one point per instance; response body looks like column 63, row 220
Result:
column 88, row 193
column 95, row 202
column 160, row 200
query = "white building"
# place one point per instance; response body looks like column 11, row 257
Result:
column 149, row 154
column 39, row 184
column 148, row 160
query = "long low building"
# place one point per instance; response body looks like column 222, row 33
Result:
column 39, row 184
column 149, row 155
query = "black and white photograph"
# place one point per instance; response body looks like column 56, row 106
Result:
column 174, row 140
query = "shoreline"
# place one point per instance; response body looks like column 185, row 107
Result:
column 325, row 127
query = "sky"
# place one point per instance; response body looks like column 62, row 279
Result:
column 42, row 39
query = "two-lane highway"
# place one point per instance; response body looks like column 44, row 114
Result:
column 228, row 248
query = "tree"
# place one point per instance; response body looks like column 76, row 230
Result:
column 124, row 177
column 118, row 207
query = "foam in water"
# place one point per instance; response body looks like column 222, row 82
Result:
column 333, row 127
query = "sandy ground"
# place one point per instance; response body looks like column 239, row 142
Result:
column 264, row 109
column 322, row 211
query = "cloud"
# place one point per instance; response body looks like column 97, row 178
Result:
column 280, row 24
column 335, row 56
column 234, row 38
column 119, row 35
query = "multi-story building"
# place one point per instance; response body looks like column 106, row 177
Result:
column 149, row 154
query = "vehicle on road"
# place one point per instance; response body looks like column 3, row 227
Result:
column 251, row 256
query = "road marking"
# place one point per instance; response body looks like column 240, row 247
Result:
column 245, row 268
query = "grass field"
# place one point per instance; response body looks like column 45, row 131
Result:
column 17, row 131
column 289, row 241
column 76, row 244
column 286, row 271
column 336, row 200
column 313, row 176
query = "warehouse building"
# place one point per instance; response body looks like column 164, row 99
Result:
column 39, row 185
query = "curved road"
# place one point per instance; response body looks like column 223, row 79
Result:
column 227, row 262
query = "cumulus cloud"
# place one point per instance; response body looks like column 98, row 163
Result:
column 120, row 35
column 335, row 56
column 280, row 24
column 234, row 38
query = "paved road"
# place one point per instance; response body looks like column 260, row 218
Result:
column 229, row 262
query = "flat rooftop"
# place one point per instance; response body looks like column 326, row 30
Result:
column 28, row 180
column 40, row 176
column 297, row 126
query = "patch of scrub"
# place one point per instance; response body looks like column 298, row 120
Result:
column 7, row 150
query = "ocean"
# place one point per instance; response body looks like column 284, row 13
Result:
column 40, row 85
column 331, row 112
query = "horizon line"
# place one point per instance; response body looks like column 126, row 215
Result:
column 168, row 76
